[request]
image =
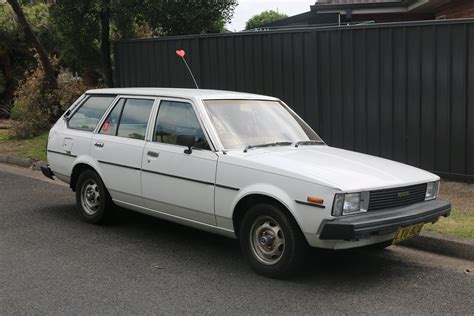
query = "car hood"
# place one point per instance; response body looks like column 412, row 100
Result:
column 338, row 168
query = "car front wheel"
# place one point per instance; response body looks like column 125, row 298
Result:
column 92, row 198
column 271, row 241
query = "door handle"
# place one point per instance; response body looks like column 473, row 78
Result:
column 99, row 144
column 153, row 154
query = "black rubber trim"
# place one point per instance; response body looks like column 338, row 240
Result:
column 170, row 175
column 61, row 153
column 310, row 204
column 177, row 177
column 227, row 187
column 384, row 222
column 47, row 172
column 118, row 165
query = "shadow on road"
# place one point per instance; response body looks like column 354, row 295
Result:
column 128, row 227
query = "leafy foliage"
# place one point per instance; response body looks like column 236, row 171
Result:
column 187, row 17
column 15, row 55
column 264, row 18
column 79, row 33
column 73, row 31
column 37, row 105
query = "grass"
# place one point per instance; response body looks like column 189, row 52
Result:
column 34, row 148
column 459, row 224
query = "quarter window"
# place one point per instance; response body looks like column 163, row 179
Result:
column 109, row 127
column 89, row 114
column 178, row 118
column 129, row 118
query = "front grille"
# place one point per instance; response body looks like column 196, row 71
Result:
column 395, row 197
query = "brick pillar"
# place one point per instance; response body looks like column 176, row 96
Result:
column 456, row 9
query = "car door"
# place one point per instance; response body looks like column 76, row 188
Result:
column 72, row 136
column 174, row 182
column 118, row 147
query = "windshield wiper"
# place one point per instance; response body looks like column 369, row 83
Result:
column 267, row 145
column 309, row 142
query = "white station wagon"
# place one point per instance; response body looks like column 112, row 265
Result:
column 241, row 165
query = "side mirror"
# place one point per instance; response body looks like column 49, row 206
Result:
column 186, row 140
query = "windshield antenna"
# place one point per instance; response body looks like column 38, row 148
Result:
column 181, row 54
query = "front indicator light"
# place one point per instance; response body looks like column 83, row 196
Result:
column 316, row 200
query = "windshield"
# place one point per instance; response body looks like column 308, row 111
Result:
column 242, row 123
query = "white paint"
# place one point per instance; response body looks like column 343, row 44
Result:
column 286, row 173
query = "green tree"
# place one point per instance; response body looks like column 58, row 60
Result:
column 34, row 42
column 180, row 17
column 264, row 18
column 86, row 28
column 16, row 57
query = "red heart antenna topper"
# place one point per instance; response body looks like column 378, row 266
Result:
column 181, row 54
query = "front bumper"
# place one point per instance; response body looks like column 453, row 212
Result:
column 384, row 221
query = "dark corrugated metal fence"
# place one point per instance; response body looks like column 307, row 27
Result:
column 403, row 91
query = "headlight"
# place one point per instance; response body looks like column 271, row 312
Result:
column 432, row 190
column 346, row 203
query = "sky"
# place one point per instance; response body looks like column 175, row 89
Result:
column 248, row 8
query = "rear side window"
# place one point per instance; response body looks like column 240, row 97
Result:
column 89, row 114
column 129, row 118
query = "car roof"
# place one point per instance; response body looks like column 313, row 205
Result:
column 202, row 94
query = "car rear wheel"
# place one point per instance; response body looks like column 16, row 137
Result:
column 271, row 241
column 92, row 198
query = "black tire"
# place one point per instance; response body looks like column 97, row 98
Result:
column 292, row 253
column 104, row 205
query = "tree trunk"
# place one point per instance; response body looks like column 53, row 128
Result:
column 105, row 43
column 49, row 73
column 6, row 100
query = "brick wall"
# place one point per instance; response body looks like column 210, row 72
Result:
column 393, row 17
column 457, row 9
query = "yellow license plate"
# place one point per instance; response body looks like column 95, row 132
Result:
column 407, row 232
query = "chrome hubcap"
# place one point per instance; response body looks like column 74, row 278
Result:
column 267, row 240
column 90, row 197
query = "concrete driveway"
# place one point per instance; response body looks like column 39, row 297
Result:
column 52, row 262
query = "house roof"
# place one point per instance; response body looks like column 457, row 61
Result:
column 378, row 5
column 321, row 2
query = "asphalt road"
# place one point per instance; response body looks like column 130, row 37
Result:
column 52, row 262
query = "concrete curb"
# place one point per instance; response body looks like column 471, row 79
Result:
column 18, row 161
column 445, row 245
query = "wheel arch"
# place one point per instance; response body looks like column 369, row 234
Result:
column 77, row 169
column 244, row 203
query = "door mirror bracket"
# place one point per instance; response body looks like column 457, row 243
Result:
column 187, row 141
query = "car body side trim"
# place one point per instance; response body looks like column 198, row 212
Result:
column 177, row 177
column 190, row 179
column 118, row 165
column 310, row 204
column 227, row 187
column 61, row 153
